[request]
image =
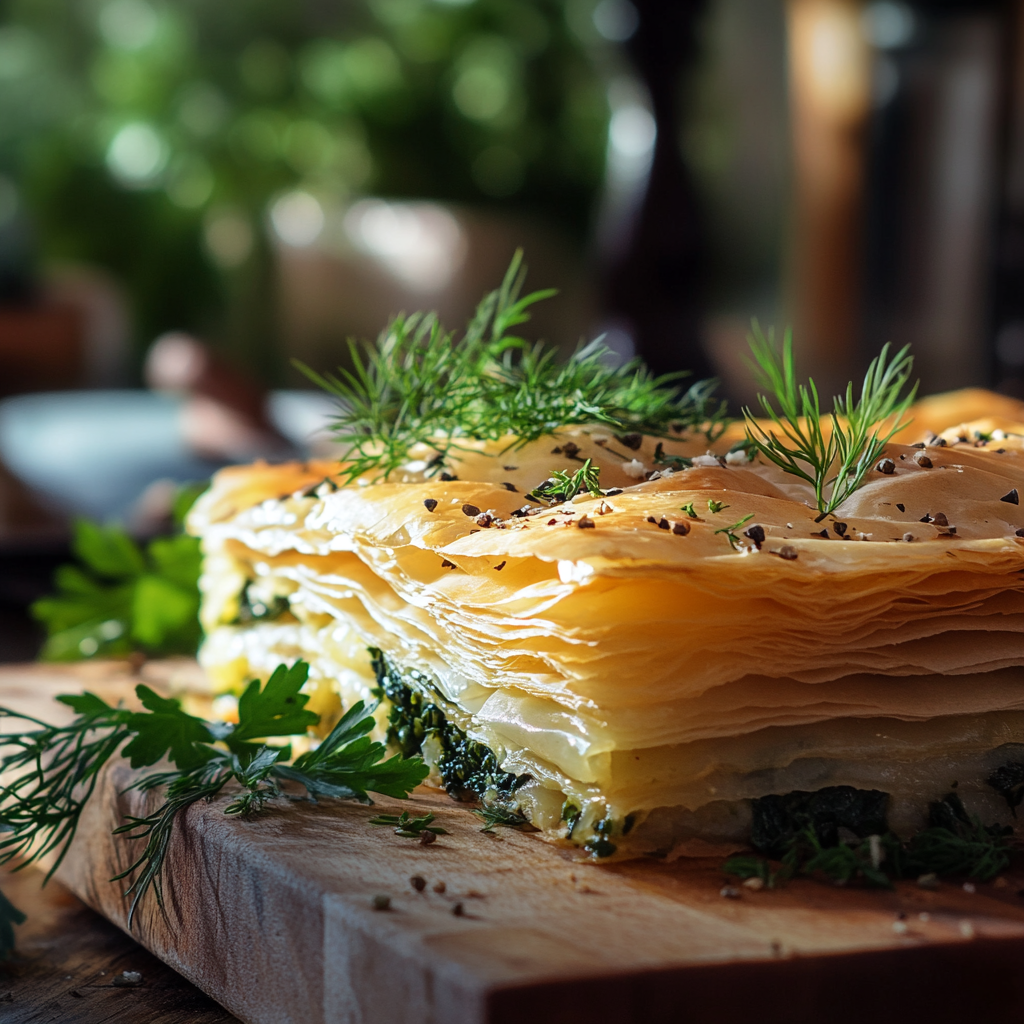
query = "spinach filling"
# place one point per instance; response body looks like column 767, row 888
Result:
column 468, row 769
column 805, row 832
column 777, row 820
column 1008, row 781
column 252, row 609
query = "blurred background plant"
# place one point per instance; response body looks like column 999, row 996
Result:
column 174, row 144
column 274, row 176
column 123, row 597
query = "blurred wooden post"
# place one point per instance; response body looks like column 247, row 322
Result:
column 1008, row 298
column 829, row 73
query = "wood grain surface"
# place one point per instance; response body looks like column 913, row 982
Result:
column 274, row 917
column 67, row 958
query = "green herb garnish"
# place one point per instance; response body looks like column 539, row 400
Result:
column 422, row 385
column 54, row 769
column 673, row 461
column 836, row 465
column 843, row 862
column 749, row 866
column 562, row 486
column 492, row 815
column 689, row 510
column 716, row 506
column 807, row 855
column 745, row 445
column 410, row 828
column 122, row 597
column 730, row 531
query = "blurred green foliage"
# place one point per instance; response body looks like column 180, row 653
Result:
column 141, row 127
column 122, row 597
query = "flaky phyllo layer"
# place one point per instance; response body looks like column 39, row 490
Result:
column 637, row 663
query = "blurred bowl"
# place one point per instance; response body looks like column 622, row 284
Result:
column 94, row 453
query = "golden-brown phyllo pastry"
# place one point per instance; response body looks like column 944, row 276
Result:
column 628, row 668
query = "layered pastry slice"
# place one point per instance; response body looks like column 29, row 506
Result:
column 628, row 668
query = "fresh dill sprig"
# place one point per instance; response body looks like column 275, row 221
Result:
column 673, row 461
column 493, row 814
column 834, row 461
column 841, row 863
column 421, row 385
column 53, row 771
column 183, row 788
column 973, row 851
column 730, row 531
column 562, row 486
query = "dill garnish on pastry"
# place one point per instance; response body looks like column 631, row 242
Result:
column 514, row 553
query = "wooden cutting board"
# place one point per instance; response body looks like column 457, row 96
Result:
column 274, row 918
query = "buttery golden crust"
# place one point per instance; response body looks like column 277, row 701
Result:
column 568, row 613
column 644, row 648
column 945, row 502
column 963, row 411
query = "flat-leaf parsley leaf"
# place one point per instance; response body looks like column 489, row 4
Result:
column 52, row 771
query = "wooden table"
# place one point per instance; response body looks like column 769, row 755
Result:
column 67, row 958
column 275, row 918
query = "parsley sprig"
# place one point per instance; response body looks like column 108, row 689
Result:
column 421, row 384
column 54, row 769
column 835, row 461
